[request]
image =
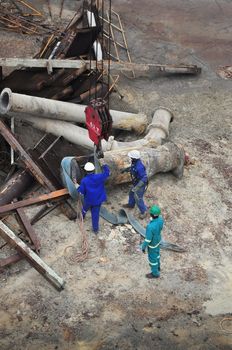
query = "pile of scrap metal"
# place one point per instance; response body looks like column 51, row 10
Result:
column 11, row 191
column 82, row 39
column 37, row 165
column 48, row 94
column 21, row 17
column 42, row 162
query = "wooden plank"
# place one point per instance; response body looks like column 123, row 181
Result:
column 55, row 195
column 33, row 258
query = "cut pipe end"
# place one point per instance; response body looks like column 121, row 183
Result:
column 5, row 100
column 163, row 110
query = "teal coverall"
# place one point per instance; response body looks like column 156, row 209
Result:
column 152, row 243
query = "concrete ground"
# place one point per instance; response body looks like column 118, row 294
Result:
column 107, row 302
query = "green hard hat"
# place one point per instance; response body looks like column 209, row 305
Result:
column 155, row 210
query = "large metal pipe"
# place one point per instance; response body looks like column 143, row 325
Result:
column 65, row 111
column 165, row 158
column 15, row 186
column 158, row 131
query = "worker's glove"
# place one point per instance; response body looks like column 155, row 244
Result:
column 76, row 185
column 81, row 197
column 144, row 251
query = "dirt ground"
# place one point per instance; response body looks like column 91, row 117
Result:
column 107, row 302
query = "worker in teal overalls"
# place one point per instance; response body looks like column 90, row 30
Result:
column 152, row 241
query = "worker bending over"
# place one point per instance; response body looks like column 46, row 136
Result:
column 139, row 182
column 152, row 241
column 93, row 189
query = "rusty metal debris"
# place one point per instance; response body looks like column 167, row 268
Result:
column 28, row 229
column 52, row 196
column 15, row 17
column 116, row 35
column 225, row 72
column 33, row 168
column 61, row 8
column 23, row 249
column 34, row 12
column 75, row 65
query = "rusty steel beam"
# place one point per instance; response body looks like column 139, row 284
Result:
column 27, row 228
column 33, row 258
column 45, row 210
column 28, row 161
column 114, row 65
column 55, row 195
column 33, row 168
column 10, row 260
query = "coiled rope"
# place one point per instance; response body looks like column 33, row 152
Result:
column 78, row 257
column 227, row 331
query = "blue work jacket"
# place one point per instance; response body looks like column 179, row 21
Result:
column 92, row 187
column 138, row 172
column 153, row 234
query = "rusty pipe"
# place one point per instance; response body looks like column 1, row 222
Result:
column 65, row 111
column 158, row 131
column 15, row 186
column 165, row 158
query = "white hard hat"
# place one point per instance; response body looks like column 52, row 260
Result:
column 89, row 166
column 134, row 154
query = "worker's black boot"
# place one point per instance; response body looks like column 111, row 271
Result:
column 150, row 275
column 143, row 216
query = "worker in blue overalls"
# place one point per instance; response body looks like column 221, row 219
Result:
column 93, row 190
column 152, row 241
column 139, row 182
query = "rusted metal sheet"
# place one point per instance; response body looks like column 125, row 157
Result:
column 55, row 195
column 9, row 236
column 49, row 152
